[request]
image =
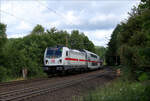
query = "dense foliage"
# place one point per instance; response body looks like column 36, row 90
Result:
column 27, row 52
column 130, row 42
column 120, row 91
column 3, row 40
column 101, row 51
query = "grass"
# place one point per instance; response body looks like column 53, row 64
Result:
column 13, row 79
column 120, row 91
column 10, row 79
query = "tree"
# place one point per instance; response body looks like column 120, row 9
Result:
column 80, row 41
column 101, row 51
column 2, row 34
column 3, row 40
column 75, row 40
column 38, row 29
column 131, row 41
column 112, row 57
column 145, row 4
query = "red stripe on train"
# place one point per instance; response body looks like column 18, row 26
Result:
column 82, row 60
column 72, row 59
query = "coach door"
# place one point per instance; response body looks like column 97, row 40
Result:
column 67, row 56
column 89, row 63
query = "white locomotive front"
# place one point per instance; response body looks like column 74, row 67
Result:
column 63, row 58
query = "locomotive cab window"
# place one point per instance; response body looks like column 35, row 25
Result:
column 54, row 53
column 66, row 53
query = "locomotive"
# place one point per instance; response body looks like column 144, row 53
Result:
column 57, row 59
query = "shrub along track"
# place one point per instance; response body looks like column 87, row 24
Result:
column 43, row 87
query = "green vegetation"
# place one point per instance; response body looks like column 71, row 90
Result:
column 120, row 91
column 27, row 52
column 100, row 50
column 130, row 43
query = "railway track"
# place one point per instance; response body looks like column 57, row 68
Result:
column 21, row 81
column 21, row 94
column 14, row 83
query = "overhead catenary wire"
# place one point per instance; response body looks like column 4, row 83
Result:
column 18, row 34
column 19, row 18
column 25, row 20
column 54, row 11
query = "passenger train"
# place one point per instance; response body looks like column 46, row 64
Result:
column 57, row 59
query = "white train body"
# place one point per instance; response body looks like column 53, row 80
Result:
column 93, row 60
column 63, row 58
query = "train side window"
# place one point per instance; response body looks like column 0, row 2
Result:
column 66, row 53
column 94, row 56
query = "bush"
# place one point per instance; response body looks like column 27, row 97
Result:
column 120, row 91
column 143, row 77
column 3, row 74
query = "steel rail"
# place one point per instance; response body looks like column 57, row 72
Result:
column 32, row 91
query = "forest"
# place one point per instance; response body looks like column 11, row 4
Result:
column 129, row 45
column 27, row 52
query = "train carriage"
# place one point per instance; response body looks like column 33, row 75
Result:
column 93, row 60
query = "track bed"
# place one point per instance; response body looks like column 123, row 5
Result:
column 50, row 89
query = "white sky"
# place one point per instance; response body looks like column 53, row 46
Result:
column 96, row 18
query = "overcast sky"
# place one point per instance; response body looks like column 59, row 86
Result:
column 96, row 18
